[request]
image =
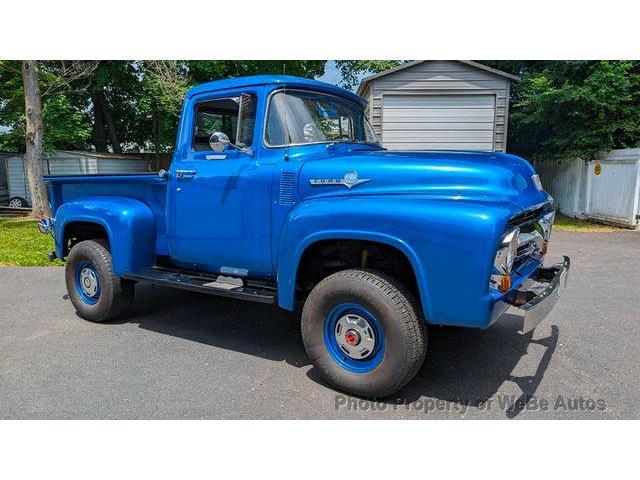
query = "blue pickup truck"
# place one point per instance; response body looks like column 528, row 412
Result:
column 279, row 192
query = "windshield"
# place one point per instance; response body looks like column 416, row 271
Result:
column 299, row 117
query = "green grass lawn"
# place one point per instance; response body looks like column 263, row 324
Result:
column 21, row 244
column 563, row 222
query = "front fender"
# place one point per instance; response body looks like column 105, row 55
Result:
column 450, row 245
column 129, row 224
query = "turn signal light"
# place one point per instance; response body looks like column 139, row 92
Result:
column 545, row 247
column 505, row 283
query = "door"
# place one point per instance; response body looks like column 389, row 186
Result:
column 219, row 203
column 438, row 122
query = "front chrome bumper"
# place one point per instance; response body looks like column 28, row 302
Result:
column 537, row 297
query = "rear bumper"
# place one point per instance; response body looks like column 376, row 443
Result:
column 538, row 295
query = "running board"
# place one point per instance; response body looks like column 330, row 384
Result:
column 221, row 286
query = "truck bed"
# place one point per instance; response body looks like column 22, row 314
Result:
column 148, row 188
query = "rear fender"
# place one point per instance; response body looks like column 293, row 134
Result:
column 129, row 224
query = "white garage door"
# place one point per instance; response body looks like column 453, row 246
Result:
column 438, row 122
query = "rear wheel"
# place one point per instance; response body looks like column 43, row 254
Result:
column 363, row 331
column 96, row 293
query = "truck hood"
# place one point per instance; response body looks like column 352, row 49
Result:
column 471, row 176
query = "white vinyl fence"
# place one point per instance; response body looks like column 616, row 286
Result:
column 606, row 189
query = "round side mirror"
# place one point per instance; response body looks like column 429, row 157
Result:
column 218, row 141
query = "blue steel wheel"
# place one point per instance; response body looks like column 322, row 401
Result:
column 87, row 282
column 95, row 291
column 354, row 337
column 363, row 333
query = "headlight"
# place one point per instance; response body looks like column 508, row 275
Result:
column 503, row 263
column 536, row 182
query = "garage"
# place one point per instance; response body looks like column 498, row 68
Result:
column 439, row 105
column 438, row 122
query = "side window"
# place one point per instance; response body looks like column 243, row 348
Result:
column 221, row 115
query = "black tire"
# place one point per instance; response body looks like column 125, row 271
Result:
column 18, row 202
column 114, row 296
column 393, row 308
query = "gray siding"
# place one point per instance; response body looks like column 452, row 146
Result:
column 446, row 78
column 4, row 191
column 122, row 166
column 17, row 179
column 71, row 163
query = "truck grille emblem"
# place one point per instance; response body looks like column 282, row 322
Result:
column 349, row 180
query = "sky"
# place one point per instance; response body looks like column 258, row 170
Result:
column 332, row 74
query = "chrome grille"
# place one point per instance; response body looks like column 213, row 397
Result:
column 529, row 244
column 525, row 217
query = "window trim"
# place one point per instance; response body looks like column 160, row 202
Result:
column 240, row 111
column 226, row 97
column 324, row 142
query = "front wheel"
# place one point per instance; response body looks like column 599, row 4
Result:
column 363, row 332
column 96, row 293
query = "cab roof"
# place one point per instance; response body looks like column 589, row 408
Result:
column 282, row 80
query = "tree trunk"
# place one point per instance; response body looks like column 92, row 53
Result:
column 155, row 131
column 99, row 132
column 108, row 118
column 34, row 133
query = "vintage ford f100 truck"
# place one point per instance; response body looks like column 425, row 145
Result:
column 279, row 192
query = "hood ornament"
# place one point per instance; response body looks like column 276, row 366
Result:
column 349, row 180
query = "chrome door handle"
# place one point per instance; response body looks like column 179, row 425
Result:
column 185, row 173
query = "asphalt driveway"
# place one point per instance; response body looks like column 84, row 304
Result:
column 183, row 355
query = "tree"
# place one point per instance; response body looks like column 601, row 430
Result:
column 205, row 70
column 164, row 83
column 352, row 70
column 568, row 109
column 33, row 155
column 120, row 104
column 65, row 117
column 52, row 78
column 114, row 105
column 114, row 93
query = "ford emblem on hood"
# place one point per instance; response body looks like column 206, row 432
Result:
column 349, row 180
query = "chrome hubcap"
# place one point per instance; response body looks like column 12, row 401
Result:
column 355, row 336
column 88, row 282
